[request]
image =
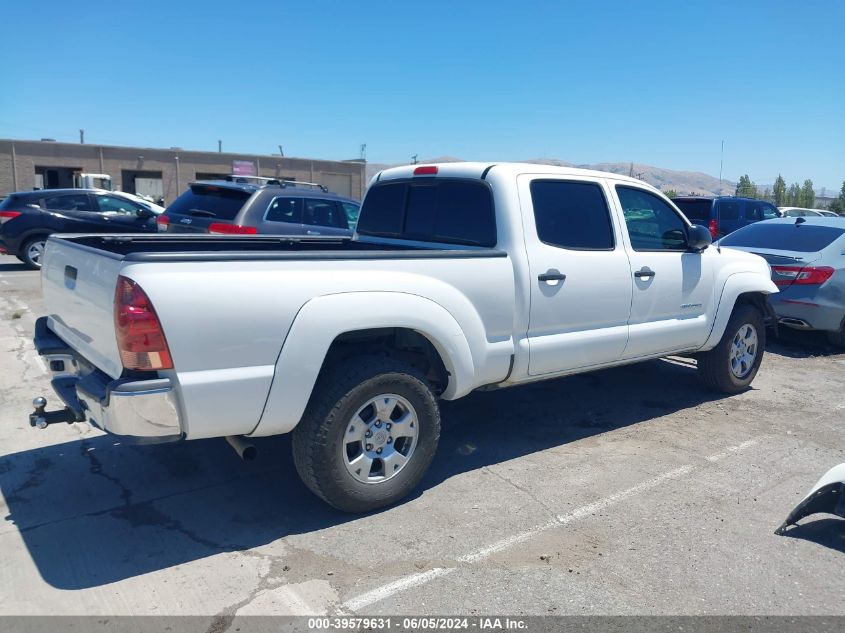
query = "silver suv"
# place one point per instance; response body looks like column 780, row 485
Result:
column 244, row 205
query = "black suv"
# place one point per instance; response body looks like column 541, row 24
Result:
column 247, row 205
column 28, row 217
column 725, row 214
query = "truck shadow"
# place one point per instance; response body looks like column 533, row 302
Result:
column 93, row 512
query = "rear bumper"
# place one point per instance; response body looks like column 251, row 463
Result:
column 141, row 410
column 808, row 311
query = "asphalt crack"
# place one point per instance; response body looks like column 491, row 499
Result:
column 524, row 490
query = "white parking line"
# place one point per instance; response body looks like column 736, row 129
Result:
column 390, row 589
column 415, row 580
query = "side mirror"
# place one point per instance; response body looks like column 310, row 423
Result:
column 698, row 238
column 144, row 214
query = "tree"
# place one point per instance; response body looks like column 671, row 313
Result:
column 808, row 195
column 745, row 188
column 671, row 193
column 793, row 195
column 780, row 192
column 838, row 205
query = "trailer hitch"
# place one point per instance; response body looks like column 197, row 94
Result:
column 41, row 419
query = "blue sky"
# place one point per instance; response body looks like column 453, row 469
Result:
column 660, row 83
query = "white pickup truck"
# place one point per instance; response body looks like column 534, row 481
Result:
column 460, row 277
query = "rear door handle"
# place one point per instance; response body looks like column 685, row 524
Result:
column 645, row 273
column 313, row 233
column 551, row 276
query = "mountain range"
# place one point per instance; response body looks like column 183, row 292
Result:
column 684, row 182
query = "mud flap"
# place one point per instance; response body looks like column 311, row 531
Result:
column 828, row 495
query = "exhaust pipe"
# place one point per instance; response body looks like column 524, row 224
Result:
column 245, row 450
column 798, row 324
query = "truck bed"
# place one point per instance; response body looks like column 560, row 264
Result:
column 197, row 248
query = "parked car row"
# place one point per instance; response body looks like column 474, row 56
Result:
column 241, row 205
column 798, row 212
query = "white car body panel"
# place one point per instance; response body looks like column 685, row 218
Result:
column 249, row 337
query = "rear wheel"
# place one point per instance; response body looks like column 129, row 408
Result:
column 32, row 251
column 837, row 338
column 368, row 435
column 731, row 366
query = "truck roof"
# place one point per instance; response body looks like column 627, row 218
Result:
column 480, row 170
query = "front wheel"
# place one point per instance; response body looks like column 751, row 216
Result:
column 368, row 434
column 731, row 366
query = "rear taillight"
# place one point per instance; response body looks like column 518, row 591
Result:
column 713, row 227
column 222, row 228
column 140, row 338
column 5, row 216
column 801, row 275
column 162, row 222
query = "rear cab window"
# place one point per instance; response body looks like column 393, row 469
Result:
column 446, row 210
column 210, row 201
column 786, row 236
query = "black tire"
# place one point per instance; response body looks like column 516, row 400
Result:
column 837, row 339
column 26, row 256
column 318, row 447
column 714, row 366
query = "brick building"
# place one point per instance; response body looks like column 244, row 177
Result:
column 26, row 165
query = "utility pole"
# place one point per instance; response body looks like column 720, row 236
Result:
column 219, row 147
column 82, row 137
column 721, row 162
column 414, row 159
column 281, row 151
column 363, row 151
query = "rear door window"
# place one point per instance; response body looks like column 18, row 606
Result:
column 697, row 211
column 324, row 213
column 787, row 236
column 444, row 210
column 285, row 210
column 727, row 209
column 68, row 202
column 210, row 201
column 572, row 215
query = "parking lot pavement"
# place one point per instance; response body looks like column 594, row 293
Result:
column 628, row 491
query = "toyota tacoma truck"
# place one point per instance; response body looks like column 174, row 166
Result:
column 459, row 277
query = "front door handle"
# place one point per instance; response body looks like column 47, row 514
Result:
column 313, row 233
column 551, row 275
column 645, row 272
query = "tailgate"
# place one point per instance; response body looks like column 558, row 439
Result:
column 78, row 283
